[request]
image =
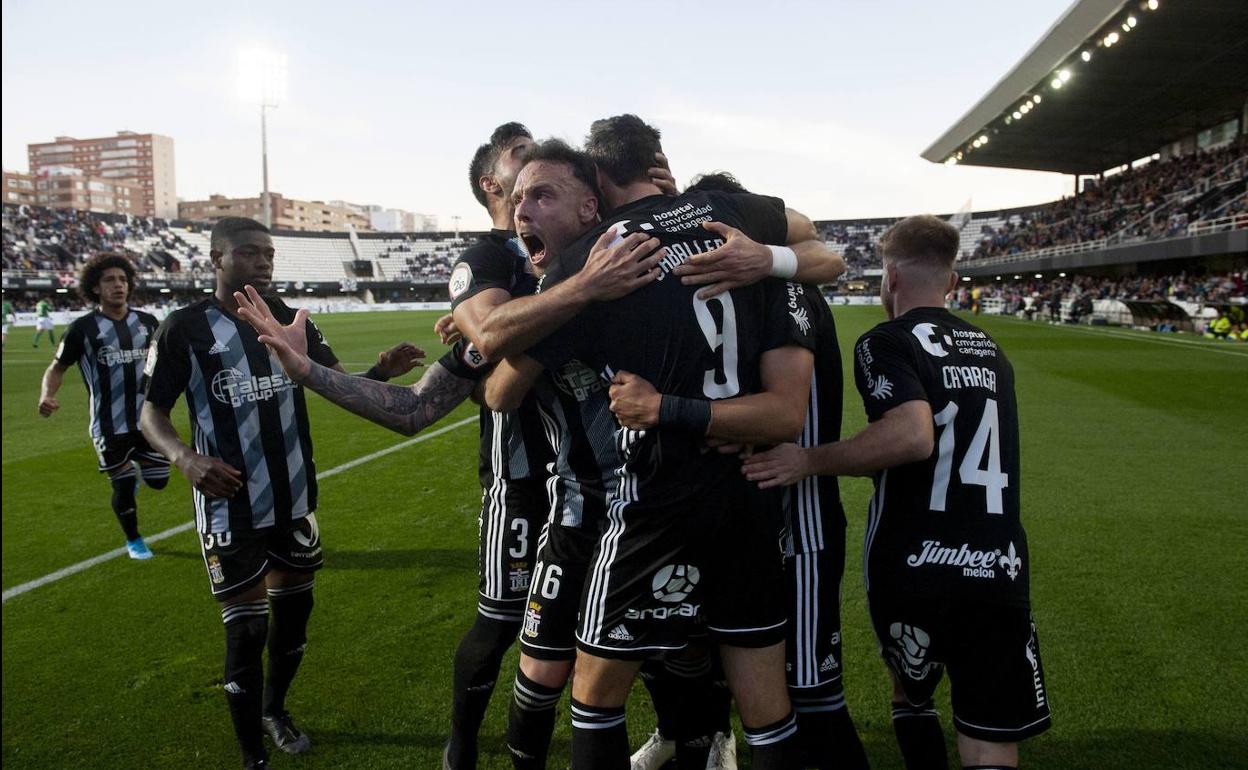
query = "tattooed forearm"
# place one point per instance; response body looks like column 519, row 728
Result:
column 405, row 409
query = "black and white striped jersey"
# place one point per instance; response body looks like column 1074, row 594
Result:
column 110, row 356
column 512, row 443
column 576, row 412
column 243, row 410
column 812, row 506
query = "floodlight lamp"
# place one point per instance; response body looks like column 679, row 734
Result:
column 1026, row 108
column 1017, row 115
column 966, row 279
column 1017, row 277
column 983, row 139
column 1111, row 38
column 1064, row 75
column 1126, row 27
column 1039, row 276
column 1152, row 5
column 1061, row 275
column 1086, row 56
column 261, row 76
column 1008, row 120
column 998, row 277
column 1056, row 83
column 1132, row 21
column 1036, row 98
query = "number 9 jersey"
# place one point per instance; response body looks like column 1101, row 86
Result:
column 948, row 526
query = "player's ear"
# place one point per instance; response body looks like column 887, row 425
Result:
column 589, row 209
column 490, row 185
column 215, row 256
column 953, row 281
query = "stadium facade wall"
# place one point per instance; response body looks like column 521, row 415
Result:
column 1200, row 246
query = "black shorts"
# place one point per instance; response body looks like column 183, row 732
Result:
column 992, row 653
column 115, row 452
column 512, row 515
column 553, row 608
column 239, row 559
column 661, row 570
column 813, row 652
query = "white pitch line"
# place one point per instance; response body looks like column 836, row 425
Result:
column 1123, row 335
column 113, row 554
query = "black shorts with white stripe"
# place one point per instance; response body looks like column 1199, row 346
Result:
column 992, row 653
column 114, row 454
column 662, row 572
column 550, row 614
column 236, row 561
column 813, row 661
column 513, row 512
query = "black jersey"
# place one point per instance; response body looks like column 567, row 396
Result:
column 813, row 509
column 949, row 525
column 243, row 409
column 110, row 356
column 512, row 443
column 685, row 346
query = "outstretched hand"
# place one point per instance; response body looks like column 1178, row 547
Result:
column 740, row 261
column 399, row 360
column 289, row 343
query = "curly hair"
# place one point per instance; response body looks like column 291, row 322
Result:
column 93, row 270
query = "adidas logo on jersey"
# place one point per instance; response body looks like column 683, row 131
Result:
column 620, row 634
column 233, row 688
column 218, row 348
column 827, row 665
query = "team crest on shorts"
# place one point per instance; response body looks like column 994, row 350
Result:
column 519, row 576
column 532, row 619
column 215, row 573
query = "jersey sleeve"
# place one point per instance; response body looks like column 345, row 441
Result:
column 464, row 361
column 885, row 373
column 168, row 367
column 480, row 268
column 786, row 316
column 71, row 346
column 318, row 349
column 762, row 217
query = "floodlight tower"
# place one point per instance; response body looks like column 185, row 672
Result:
column 262, row 80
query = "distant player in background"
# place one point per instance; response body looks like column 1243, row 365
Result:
column 254, row 479
column 9, row 317
column 43, row 321
column 946, row 556
column 109, row 345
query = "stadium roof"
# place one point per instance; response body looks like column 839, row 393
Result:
column 1138, row 76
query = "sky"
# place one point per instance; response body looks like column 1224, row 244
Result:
column 826, row 104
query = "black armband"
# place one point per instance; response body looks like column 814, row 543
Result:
column 689, row 413
column 374, row 374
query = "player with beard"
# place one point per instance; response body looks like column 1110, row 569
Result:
column 814, row 549
column 109, row 344
column 651, row 574
column 946, row 555
column 253, row 476
column 488, row 282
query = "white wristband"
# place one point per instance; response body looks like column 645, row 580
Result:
column 783, row 262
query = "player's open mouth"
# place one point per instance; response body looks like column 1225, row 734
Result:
column 535, row 246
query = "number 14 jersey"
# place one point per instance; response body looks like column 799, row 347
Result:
column 949, row 525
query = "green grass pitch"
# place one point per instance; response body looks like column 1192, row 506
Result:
column 1134, row 498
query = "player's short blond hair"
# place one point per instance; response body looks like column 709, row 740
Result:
column 921, row 240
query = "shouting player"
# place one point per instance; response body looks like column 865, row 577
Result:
column 109, row 344
column 946, row 556
column 254, row 480
column 676, row 519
